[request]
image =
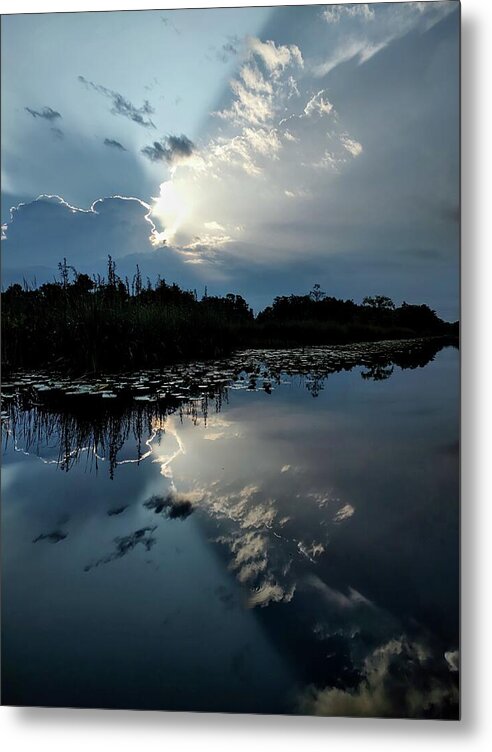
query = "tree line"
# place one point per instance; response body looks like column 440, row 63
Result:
column 103, row 323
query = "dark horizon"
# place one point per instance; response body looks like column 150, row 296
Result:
column 129, row 281
column 110, row 323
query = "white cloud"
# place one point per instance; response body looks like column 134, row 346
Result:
column 333, row 13
column 353, row 147
column 344, row 513
column 254, row 80
column 207, row 240
column 312, row 550
column 289, row 137
column 213, row 226
column 248, row 547
column 263, row 141
column 270, row 592
column 318, row 104
column 343, row 52
column 248, row 106
column 261, row 515
column 328, row 161
column 257, row 98
column 344, row 601
column 266, row 135
column 298, row 193
column 361, row 40
column 276, row 57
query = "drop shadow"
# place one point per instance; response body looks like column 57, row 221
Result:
column 472, row 43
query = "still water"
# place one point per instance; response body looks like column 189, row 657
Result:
column 284, row 542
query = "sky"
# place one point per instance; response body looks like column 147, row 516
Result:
column 250, row 150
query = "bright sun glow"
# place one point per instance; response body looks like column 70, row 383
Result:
column 170, row 209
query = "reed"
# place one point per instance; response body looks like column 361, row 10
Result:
column 102, row 324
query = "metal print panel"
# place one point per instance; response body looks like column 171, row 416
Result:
column 230, row 400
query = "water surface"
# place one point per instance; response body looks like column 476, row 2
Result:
column 277, row 534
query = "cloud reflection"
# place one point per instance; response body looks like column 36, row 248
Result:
column 399, row 679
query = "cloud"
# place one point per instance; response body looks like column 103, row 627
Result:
column 55, row 537
column 170, row 149
column 270, row 592
column 311, row 551
column 276, row 57
column 318, row 104
column 122, row 106
column 353, row 147
column 47, row 229
column 46, row 113
column 401, row 679
column 253, row 79
column 256, row 557
column 57, row 133
column 171, row 506
column 251, row 106
column 42, row 232
column 344, row 513
column 262, row 93
column 349, row 601
column 369, row 29
column 229, row 49
column 255, row 102
column 334, row 13
column 347, row 50
column 125, row 544
column 214, row 226
column 270, row 133
column 112, row 143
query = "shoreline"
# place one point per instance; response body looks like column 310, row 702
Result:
column 60, row 368
column 181, row 383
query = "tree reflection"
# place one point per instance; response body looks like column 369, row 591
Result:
column 64, row 422
column 377, row 372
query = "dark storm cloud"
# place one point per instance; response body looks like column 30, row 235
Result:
column 122, row 106
column 169, row 149
column 47, row 113
column 45, row 230
column 111, row 142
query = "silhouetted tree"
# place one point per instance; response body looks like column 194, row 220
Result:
column 317, row 293
column 379, row 302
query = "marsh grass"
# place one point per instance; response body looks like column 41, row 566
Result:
column 89, row 325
